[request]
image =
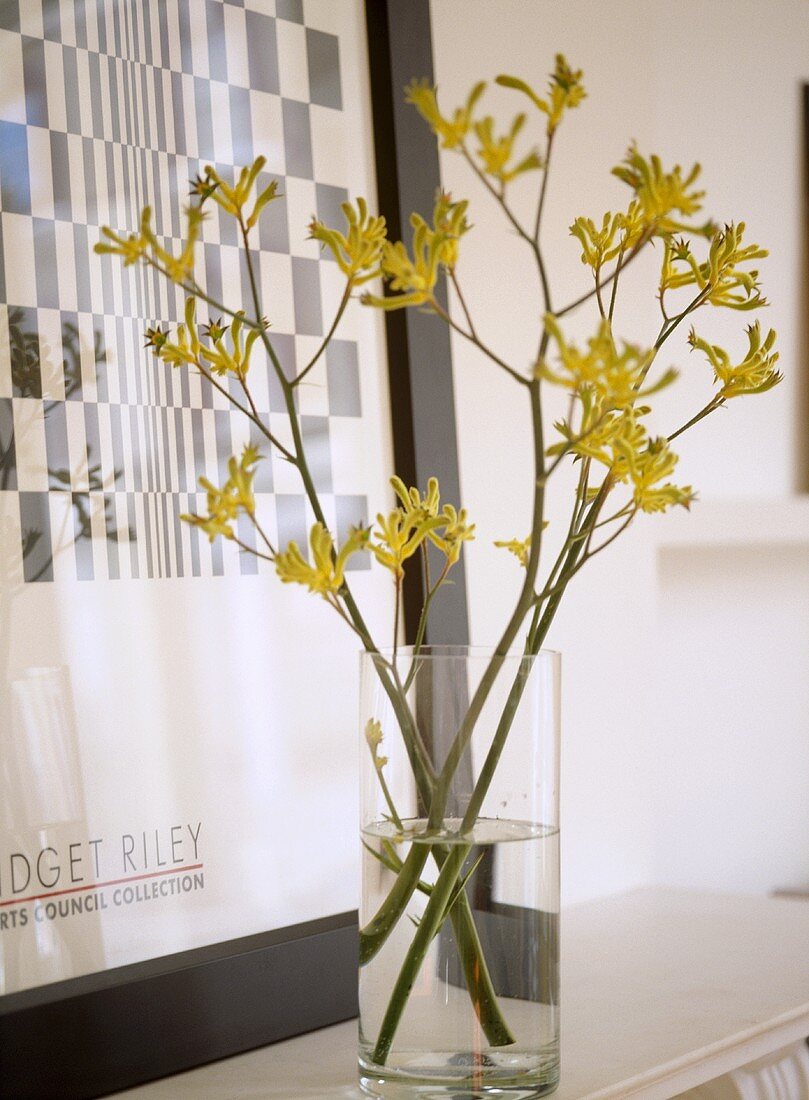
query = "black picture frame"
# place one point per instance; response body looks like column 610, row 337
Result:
column 90, row 1036
column 94, row 1035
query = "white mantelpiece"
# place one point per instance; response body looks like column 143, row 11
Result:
column 662, row 990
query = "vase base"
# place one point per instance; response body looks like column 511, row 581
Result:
column 389, row 1083
column 400, row 1090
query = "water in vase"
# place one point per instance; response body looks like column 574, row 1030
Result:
column 505, row 895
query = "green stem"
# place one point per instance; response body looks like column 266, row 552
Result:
column 263, row 534
column 571, row 559
column 470, row 950
column 713, row 404
column 391, row 861
column 398, row 600
column 498, row 197
column 535, row 639
column 425, row 613
column 497, row 745
column 327, row 338
column 397, row 821
column 606, row 282
column 426, row 931
column 618, row 267
column 251, row 550
column 376, row 931
column 300, row 460
column 373, row 935
column 454, row 280
column 667, row 328
column 524, row 604
column 422, row 768
column 252, row 416
column 473, row 962
column 599, row 299
column 546, row 290
column 436, row 306
column 469, row 946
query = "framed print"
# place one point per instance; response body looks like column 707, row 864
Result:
column 177, row 729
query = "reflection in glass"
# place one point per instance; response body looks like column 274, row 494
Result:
column 42, row 815
column 29, row 364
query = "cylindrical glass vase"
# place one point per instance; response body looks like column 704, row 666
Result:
column 459, row 920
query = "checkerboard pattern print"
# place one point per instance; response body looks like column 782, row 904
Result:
column 105, row 106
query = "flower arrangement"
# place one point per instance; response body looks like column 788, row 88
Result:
column 623, row 470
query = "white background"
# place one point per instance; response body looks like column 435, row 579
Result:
column 686, row 701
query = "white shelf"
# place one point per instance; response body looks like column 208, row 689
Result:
column 736, row 523
column 662, row 990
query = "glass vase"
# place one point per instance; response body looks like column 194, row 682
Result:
column 459, row 945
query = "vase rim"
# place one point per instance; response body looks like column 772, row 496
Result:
column 458, row 651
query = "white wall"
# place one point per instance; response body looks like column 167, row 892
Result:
column 686, row 756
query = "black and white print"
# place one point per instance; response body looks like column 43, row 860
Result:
column 118, row 104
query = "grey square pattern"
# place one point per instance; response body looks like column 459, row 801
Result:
column 109, row 105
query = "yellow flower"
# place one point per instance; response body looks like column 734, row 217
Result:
column 138, row 246
column 203, row 186
column 156, row 338
column 233, row 197
column 358, row 251
column 645, row 469
column 599, row 432
column 373, row 736
column 565, row 91
column 520, row 549
column 453, row 534
column 453, row 130
column 178, row 268
column 236, row 358
column 234, row 497
column 614, row 378
column 326, row 573
column 185, row 350
column 415, row 505
column 414, row 277
column 264, row 197
column 755, row 374
column 720, row 276
column 400, row 534
column 619, row 441
column 449, row 220
column 618, row 233
column 188, row 350
column 496, row 152
column 132, row 247
column 661, row 194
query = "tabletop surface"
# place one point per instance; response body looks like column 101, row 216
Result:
column 661, row 991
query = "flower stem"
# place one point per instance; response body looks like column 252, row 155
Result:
column 430, row 923
column 327, row 338
column 469, row 944
column 376, row 931
column 524, row 604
